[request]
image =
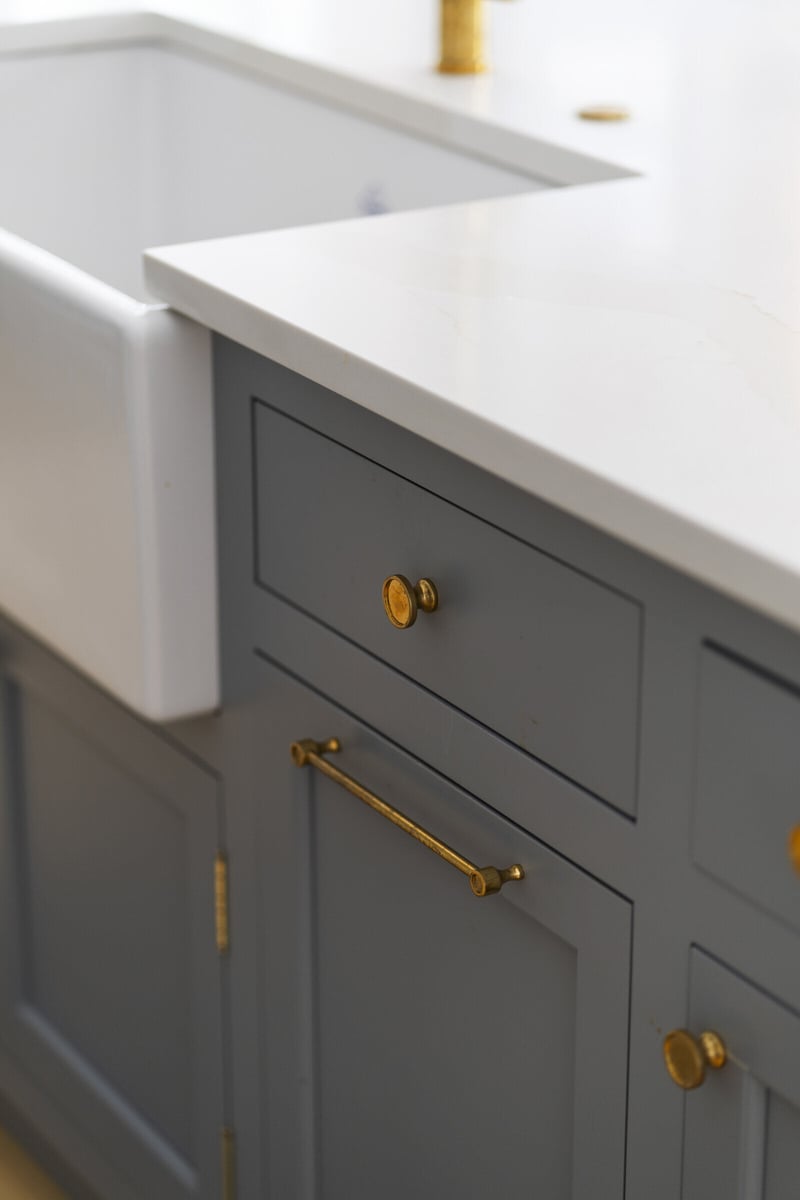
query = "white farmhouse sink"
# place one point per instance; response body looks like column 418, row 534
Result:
column 106, row 458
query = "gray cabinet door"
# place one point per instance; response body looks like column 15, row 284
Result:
column 420, row 1041
column 742, row 1126
column 110, row 1015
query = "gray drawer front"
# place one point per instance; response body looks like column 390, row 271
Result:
column 747, row 795
column 531, row 648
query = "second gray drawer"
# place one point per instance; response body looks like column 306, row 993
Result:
column 533, row 649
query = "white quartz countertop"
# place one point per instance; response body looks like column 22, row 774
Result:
column 627, row 347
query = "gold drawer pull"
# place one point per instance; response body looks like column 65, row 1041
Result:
column 484, row 881
column 402, row 599
column 687, row 1057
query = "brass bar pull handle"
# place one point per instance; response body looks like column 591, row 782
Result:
column 484, row 881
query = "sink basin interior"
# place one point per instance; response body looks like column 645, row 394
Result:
column 108, row 150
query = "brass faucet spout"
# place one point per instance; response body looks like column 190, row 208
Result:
column 462, row 37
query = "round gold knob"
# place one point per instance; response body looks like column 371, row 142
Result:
column 402, row 599
column 794, row 847
column 687, row 1057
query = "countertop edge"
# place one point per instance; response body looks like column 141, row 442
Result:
column 742, row 573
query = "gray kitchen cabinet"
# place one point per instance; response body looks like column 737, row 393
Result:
column 625, row 735
column 376, row 965
column 742, row 1125
column 421, row 1040
column 110, row 994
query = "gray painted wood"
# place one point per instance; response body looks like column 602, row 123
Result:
column 686, row 604
column 312, row 963
column 676, row 903
column 112, row 996
column 233, row 446
column 742, row 1125
column 748, row 767
column 531, row 648
column 421, row 1040
column 782, row 1149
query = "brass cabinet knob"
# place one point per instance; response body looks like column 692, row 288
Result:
column 402, row 599
column 687, row 1056
column 794, row 847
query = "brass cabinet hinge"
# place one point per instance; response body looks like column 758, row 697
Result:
column 221, row 921
column 228, row 1149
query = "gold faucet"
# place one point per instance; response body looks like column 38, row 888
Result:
column 462, row 37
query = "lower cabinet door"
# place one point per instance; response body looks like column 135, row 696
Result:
column 742, row 1126
column 422, row 1041
column 110, row 1011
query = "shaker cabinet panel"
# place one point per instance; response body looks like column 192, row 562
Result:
column 782, row 1151
column 742, row 1126
column 110, row 1002
column 746, row 789
column 421, row 1040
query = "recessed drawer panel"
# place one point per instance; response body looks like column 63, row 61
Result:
column 747, row 795
column 533, row 649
